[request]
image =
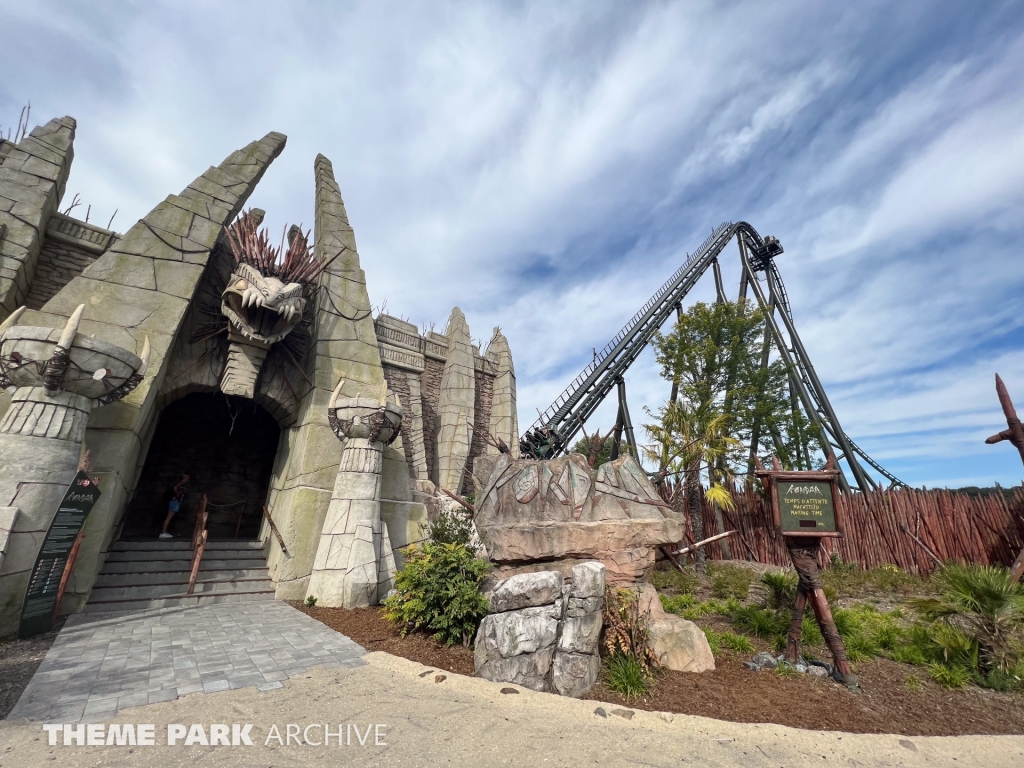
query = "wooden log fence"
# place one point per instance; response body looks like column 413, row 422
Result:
column 954, row 526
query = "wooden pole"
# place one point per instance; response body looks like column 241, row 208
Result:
column 699, row 544
column 277, row 533
column 804, row 554
column 69, row 566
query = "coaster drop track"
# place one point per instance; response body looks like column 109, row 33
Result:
column 556, row 427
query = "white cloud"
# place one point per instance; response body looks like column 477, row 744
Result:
column 547, row 166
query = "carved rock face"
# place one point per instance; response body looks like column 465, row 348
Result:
column 260, row 308
column 560, row 512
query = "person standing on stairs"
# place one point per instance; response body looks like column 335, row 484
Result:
column 177, row 494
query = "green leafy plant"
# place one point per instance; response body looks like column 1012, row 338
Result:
column 626, row 675
column 913, row 683
column 729, row 641
column 949, row 676
column 684, row 583
column 777, row 591
column 438, row 591
column 451, row 526
column 729, row 581
column 310, row 601
column 983, row 604
column 786, row 670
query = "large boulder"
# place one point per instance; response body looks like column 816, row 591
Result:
column 559, row 513
column 526, row 590
column 678, row 644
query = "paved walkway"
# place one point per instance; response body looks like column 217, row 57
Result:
column 101, row 663
column 430, row 718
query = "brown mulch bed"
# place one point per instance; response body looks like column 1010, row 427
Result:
column 369, row 628
column 732, row 692
column 19, row 660
column 885, row 704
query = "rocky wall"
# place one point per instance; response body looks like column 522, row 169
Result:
column 141, row 287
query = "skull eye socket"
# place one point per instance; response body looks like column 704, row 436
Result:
column 240, row 285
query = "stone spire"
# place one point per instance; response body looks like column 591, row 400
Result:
column 456, row 407
column 504, row 422
column 345, row 320
column 31, row 186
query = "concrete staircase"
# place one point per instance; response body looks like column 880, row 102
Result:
column 154, row 574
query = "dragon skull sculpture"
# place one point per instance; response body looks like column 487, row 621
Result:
column 265, row 298
column 262, row 309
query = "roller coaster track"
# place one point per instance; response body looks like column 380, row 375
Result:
column 556, row 427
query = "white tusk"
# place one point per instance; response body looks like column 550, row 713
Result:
column 12, row 320
column 67, row 338
column 146, row 349
column 336, row 393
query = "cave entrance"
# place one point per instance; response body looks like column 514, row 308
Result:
column 227, row 445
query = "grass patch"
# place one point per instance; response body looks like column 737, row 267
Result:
column 729, row 641
column 684, row 583
column 626, row 675
column 728, row 581
column 844, row 579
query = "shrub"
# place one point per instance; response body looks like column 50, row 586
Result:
column 982, row 603
column 949, row 677
column 438, row 591
column 729, row 581
column 625, row 628
column 777, row 590
column 626, row 675
column 310, row 601
column 451, row 526
column 761, row 622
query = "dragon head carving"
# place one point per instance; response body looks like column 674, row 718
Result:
column 262, row 308
column 265, row 298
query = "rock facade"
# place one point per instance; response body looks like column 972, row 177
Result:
column 531, row 513
column 164, row 279
column 678, row 644
column 543, row 631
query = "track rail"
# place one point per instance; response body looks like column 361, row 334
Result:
column 555, row 428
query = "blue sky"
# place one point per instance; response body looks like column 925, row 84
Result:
column 546, row 166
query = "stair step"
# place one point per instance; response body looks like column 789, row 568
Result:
column 142, row 555
column 182, row 564
column 153, row 591
column 178, row 577
column 178, row 601
column 175, row 544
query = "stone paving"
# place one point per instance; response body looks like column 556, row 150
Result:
column 101, row 663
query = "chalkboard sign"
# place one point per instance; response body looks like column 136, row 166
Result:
column 41, row 597
column 806, row 507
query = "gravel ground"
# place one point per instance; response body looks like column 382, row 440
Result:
column 19, row 660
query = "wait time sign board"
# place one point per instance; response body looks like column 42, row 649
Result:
column 804, row 503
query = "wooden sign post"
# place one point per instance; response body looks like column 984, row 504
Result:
column 806, row 510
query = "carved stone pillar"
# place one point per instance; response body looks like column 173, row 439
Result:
column 354, row 565
column 55, row 379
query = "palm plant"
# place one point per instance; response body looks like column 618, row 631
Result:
column 982, row 602
column 689, row 441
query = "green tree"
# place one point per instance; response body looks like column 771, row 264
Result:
column 719, row 358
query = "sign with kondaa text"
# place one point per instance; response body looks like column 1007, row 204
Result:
column 41, row 597
column 806, row 507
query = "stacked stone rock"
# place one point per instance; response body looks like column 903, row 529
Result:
column 543, row 632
